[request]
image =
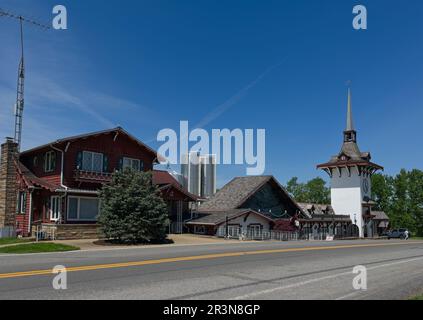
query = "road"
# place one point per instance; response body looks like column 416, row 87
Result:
column 256, row 270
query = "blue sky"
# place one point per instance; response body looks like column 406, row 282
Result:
column 277, row 65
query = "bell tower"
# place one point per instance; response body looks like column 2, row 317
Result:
column 350, row 172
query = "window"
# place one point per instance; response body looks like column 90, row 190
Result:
column 92, row 161
column 50, row 161
column 83, row 209
column 199, row 230
column 21, row 207
column 134, row 164
column 55, row 208
column 255, row 229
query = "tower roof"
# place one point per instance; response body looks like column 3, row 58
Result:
column 350, row 154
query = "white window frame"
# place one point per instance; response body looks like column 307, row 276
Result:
column 79, row 208
column 92, row 161
column 132, row 160
column 21, row 202
column 55, row 210
column 48, row 161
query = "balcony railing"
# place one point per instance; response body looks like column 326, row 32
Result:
column 93, row 177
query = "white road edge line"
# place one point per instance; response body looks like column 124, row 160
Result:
column 302, row 283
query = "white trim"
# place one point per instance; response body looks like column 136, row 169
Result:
column 30, row 212
column 78, row 209
column 53, row 214
column 21, row 202
column 48, row 163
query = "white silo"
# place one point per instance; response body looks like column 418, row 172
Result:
column 191, row 173
column 208, row 175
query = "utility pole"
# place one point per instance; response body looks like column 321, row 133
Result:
column 20, row 98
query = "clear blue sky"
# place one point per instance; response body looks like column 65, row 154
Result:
column 146, row 65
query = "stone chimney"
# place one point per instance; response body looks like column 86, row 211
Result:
column 8, row 185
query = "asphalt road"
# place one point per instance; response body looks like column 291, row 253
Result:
column 268, row 270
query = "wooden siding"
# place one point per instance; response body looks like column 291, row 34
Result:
column 114, row 149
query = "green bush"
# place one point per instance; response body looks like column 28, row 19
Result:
column 132, row 210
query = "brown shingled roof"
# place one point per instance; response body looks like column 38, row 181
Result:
column 219, row 217
column 234, row 194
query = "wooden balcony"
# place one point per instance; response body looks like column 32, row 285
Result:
column 92, row 177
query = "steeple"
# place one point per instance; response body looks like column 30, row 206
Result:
column 350, row 135
column 350, row 124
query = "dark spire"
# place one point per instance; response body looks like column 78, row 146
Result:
column 350, row 124
column 350, row 135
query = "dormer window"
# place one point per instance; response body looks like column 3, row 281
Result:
column 50, row 161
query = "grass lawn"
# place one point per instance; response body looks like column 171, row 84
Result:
column 6, row 241
column 37, row 248
column 418, row 298
column 416, row 238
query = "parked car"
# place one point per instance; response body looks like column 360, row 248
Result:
column 399, row 234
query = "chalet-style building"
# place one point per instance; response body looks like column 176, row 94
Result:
column 260, row 203
column 58, row 183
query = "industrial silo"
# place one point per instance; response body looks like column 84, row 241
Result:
column 191, row 173
column 208, row 175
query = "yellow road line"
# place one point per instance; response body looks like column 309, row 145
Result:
column 195, row 258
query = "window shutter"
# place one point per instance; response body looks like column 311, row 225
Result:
column 105, row 163
column 79, row 157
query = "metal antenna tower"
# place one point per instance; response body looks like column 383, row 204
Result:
column 20, row 101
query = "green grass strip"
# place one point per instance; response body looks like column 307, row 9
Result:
column 37, row 248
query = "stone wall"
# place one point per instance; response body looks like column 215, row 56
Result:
column 8, row 188
column 68, row 231
column 71, row 232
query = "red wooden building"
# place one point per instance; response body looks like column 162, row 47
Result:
column 58, row 183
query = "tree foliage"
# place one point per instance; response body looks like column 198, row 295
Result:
column 401, row 197
column 314, row 191
column 132, row 210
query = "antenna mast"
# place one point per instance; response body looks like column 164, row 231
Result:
column 20, row 101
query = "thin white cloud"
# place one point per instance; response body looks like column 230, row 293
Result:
column 232, row 101
column 51, row 93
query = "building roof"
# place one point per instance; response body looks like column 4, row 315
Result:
column 234, row 194
column 314, row 208
column 214, row 218
column 116, row 131
column 380, row 215
column 350, row 154
column 328, row 218
column 165, row 180
column 32, row 181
